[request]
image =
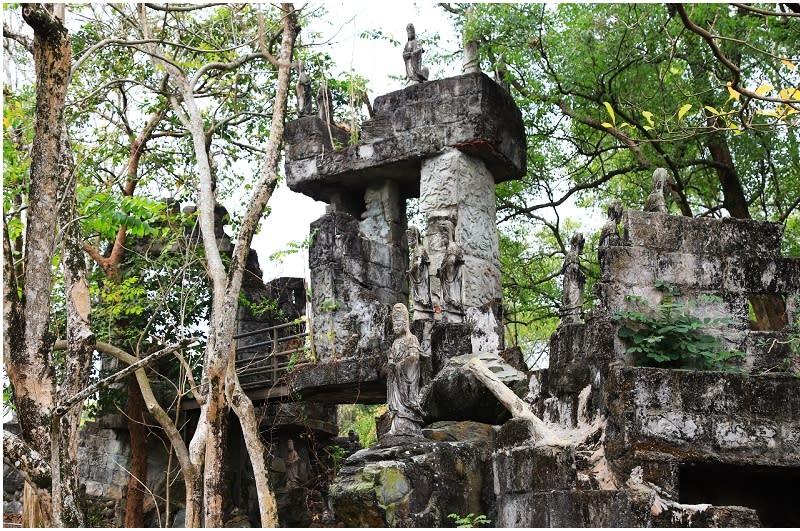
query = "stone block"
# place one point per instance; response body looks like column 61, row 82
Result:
column 569, row 509
column 701, row 236
column 309, row 136
column 704, row 416
column 413, row 483
column 453, row 431
column 535, row 468
column 692, row 271
column 469, row 112
column 568, row 363
column 631, row 266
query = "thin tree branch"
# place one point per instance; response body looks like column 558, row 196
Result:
column 144, row 362
column 722, row 58
column 21, row 39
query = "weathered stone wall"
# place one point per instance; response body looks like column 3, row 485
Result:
column 704, row 416
column 736, row 261
column 354, row 282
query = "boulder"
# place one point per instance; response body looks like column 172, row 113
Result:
column 413, row 483
column 455, row 394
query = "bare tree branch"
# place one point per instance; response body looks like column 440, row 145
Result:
column 21, row 39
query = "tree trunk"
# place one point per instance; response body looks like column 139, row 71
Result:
column 134, row 503
column 733, row 198
column 510, row 400
column 28, row 357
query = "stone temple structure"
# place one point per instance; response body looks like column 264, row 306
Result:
column 595, row 439
column 447, row 142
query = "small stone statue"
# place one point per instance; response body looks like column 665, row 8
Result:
column 325, row 102
column 292, row 466
column 412, row 55
column 418, row 272
column 303, row 91
column 402, row 383
column 449, row 272
column 655, row 201
column 574, row 280
column 609, row 234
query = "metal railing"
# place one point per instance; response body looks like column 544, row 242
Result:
column 265, row 363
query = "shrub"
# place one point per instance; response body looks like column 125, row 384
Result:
column 670, row 336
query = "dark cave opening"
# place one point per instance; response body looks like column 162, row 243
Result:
column 771, row 491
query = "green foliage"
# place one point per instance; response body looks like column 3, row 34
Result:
column 262, row 307
column 337, row 454
column 470, row 520
column 361, row 419
column 670, row 336
column 329, row 306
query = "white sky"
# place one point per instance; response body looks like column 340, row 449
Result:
column 374, row 60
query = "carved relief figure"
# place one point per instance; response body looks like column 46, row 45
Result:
column 303, row 91
column 292, row 466
column 402, row 384
column 609, row 235
column 574, row 280
column 418, row 272
column 655, row 201
column 449, row 272
column 412, row 55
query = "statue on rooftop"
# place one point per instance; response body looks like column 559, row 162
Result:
column 655, row 201
column 609, row 234
column 418, row 272
column 412, row 55
column 303, row 91
column 402, row 383
column 449, row 272
column 574, row 281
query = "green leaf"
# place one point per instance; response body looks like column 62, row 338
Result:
column 607, row 125
column 712, row 110
column 610, row 112
column 683, row 110
column 649, row 117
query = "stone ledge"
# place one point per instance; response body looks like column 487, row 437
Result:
column 344, row 381
column 721, row 237
column 469, row 112
column 609, row 508
column 704, row 416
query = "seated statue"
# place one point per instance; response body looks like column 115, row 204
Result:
column 402, row 382
column 655, row 201
column 412, row 55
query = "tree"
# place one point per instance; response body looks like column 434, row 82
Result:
column 201, row 66
column 45, row 433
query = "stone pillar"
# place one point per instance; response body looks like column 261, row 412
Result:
column 459, row 188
